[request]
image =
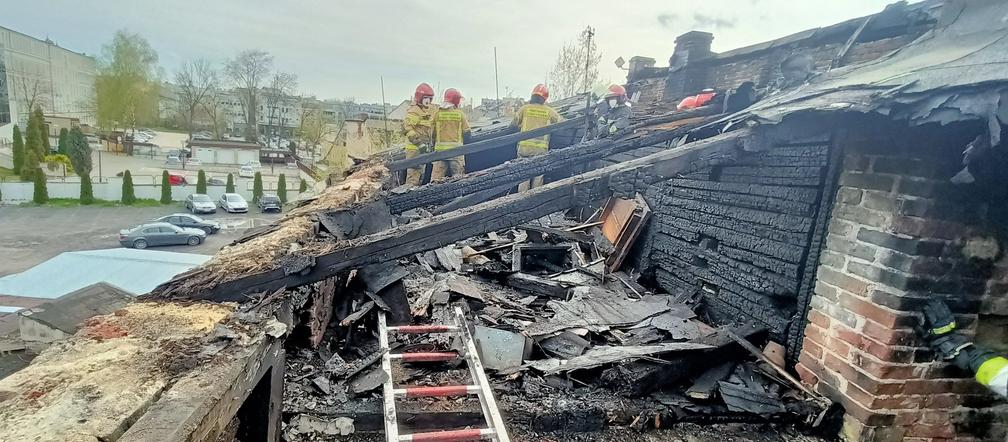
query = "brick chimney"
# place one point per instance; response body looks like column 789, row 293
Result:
column 686, row 74
column 689, row 47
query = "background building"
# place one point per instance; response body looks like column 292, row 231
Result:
column 39, row 72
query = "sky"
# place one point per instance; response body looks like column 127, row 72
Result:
column 341, row 49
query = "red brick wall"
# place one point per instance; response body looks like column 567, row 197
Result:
column 895, row 239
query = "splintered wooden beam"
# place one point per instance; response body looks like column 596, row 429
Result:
column 480, row 146
column 509, row 211
column 485, row 183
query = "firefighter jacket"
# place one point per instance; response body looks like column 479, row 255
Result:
column 418, row 126
column 450, row 127
column 533, row 116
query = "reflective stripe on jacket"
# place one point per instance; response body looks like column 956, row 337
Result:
column 534, row 116
column 418, row 126
column 993, row 374
column 449, row 126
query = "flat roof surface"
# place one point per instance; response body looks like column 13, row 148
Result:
column 135, row 271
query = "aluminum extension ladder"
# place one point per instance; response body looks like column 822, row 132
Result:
column 481, row 386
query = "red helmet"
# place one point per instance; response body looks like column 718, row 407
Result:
column 423, row 90
column 616, row 91
column 452, row 96
column 541, row 91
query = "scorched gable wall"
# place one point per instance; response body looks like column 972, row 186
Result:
column 739, row 237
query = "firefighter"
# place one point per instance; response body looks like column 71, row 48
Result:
column 613, row 112
column 418, row 126
column 534, row 115
column 451, row 130
column 989, row 368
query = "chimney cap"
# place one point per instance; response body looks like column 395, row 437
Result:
column 695, row 36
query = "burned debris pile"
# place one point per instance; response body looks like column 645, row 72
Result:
column 570, row 342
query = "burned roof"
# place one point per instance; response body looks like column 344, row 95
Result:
column 955, row 71
column 70, row 311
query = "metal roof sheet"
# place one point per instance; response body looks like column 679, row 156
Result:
column 136, row 271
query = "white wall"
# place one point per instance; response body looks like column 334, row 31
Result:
column 15, row 193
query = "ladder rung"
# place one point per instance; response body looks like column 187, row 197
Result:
column 425, row 356
column 437, row 391
column 449, row 435
column 417, row 329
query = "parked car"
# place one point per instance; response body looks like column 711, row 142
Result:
column 269, row 202
column 173, row 161
column 253, row 164
column 200, row 203
column 215, row 182
column 193, row 221
column 160, row 234
column 233, row 203
column 194, row 162
column 246, row 172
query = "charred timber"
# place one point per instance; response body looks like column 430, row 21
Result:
column 510, row 211
column 481, row 146
column 490, row 181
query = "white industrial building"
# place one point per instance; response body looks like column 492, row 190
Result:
column 56, row 79
column 224, row 152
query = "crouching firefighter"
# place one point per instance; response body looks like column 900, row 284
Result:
column 418, row 126
column 613, row 112
column 989, row 368
column 534, row 115
column 451, row 130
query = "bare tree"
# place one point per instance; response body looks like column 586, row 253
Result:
column 214, row 111
column 31, row 90
column 247, row 71
column 195, row 80
column 317, row 124
column 277, row 95
column 568, row 76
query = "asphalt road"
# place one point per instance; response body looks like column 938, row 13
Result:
column 31, row 235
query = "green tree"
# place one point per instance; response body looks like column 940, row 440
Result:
column 79, row 151
column 257, row 187
column 127, row 85
column 166, row 188
column 229, row 188
column 128, row 197
column 86, row 193
column 63, row 146
column 43, row 128
column 282, row 188
column 41, row 192
column 19, row 150
column 303, row 187
column 31, row 159
column 201, row 182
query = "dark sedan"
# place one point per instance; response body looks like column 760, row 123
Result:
column 192, row 221
column 269, row 203
column 160, row 234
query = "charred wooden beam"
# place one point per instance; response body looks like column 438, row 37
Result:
column 481, row 146
column 521, row 169
column 513, row 210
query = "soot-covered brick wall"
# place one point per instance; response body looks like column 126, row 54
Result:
column 901, row 234
column 738, row 237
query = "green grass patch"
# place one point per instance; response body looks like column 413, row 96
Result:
column 74, row 202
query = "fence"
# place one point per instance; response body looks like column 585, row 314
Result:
column 111, row 190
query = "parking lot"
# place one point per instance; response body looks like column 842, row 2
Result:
column 34, row 234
